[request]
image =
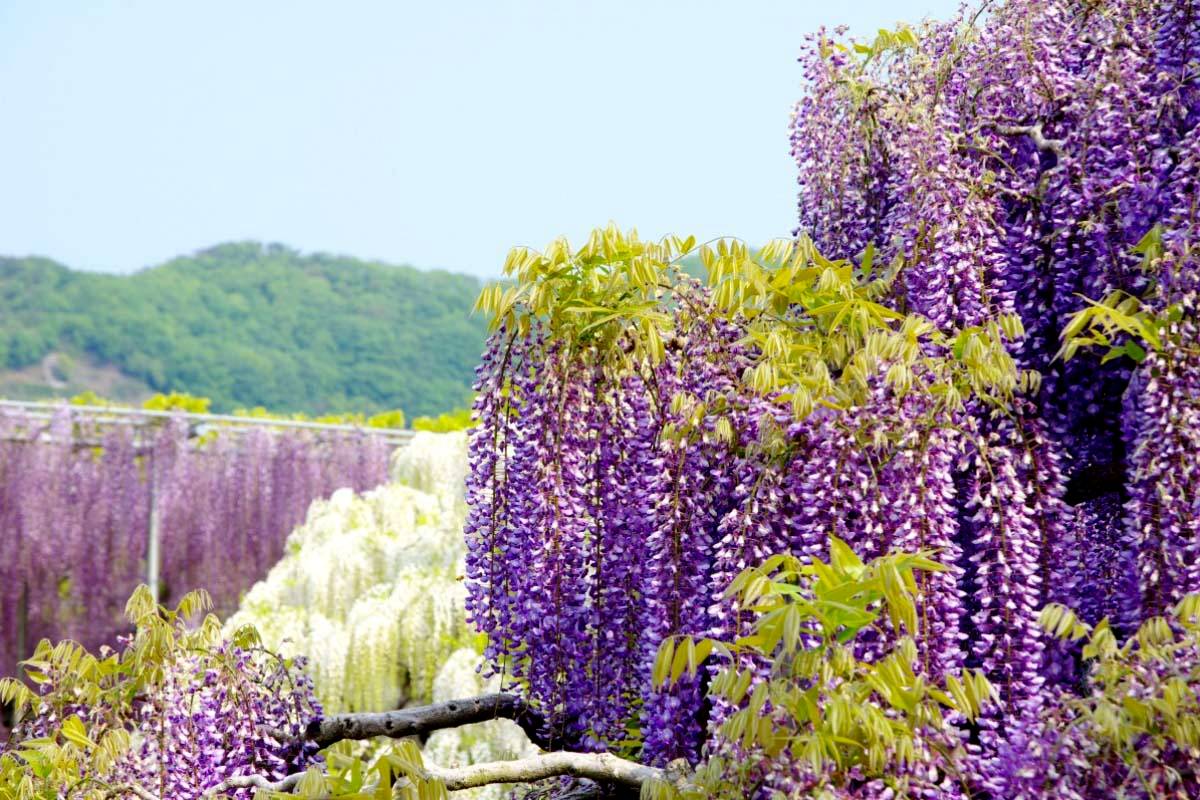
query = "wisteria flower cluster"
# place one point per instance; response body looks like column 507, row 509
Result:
column 918, row 368
column 812, row 718
column 367, row 590
column 624, row 472
column 1136, row 733
column 1016, row 159
column 173, row 714
column 75, row 510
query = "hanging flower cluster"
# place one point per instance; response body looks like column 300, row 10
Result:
column 643, row 437
column 218, row 716
column 369, row 595
column 174, row 712
column 821, row 721
column 75, row 515
column 367, row 591
column 1136, row 734
column 1015, row 159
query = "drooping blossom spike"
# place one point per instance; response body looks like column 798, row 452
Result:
column 75, row 511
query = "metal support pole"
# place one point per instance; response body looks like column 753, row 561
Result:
column 23, row 623
column 14, row 714
column 152, row 546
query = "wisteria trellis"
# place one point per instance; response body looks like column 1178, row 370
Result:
column 1013, row 162
column 75, row 503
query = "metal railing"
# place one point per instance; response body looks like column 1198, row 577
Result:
column 102, row 414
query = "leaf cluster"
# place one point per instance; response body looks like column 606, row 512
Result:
column 72, row 715
column 395, row 773
column 77, row 715
column 800, row 694
column 1123, row 323
column 446, row 422
column 818, row 330
column 1144, row 696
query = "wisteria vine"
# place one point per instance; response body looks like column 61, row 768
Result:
column 1004, row 366
column 75, row 504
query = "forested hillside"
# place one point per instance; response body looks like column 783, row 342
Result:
column 246, row 325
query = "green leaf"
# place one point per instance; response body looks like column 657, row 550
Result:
column 1151, row 242
column 843, row 557
column 74, row 731
column 685, row 653
column 663, row 661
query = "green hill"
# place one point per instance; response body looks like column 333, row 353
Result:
column 244, row 324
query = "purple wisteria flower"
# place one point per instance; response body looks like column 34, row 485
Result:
column 1019, row 163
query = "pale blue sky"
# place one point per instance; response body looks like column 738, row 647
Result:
column 437, row 134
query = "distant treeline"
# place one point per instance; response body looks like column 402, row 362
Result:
column 251, row 325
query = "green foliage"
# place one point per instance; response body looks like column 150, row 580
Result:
column 415, row 784
column 105, row 687
column 818, row 329
column 384, row 419
column 1128, row 324
column 1121, row 322
column 1145, row 693
column 247, row 325
column 84, row 716
column 447, row 422
column 815, row 703
column 887, row 42
column 90, row 398
column 177, row 401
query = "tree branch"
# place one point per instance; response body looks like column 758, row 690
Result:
column 600, row 767
column 603, row 768
column 1035, row 133
column 423, row 720
column 1044, row 145
column 255, row 782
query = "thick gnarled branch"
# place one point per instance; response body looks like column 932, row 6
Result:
column 602, row 768
column 1035, row 133
column 423, row 720
column 599, row 767
column 286, row 784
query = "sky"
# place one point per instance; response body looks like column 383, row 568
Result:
column 437, row 134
